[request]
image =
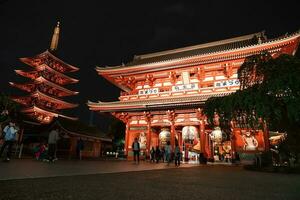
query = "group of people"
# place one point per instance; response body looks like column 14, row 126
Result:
column 157, row 154
column 47, row 152
column 41, row 151
column 165, row 153
column 44, row 151
column 10, row 135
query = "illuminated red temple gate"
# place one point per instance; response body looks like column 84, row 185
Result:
column 47, row 85
column 164, row 92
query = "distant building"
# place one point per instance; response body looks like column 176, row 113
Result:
column 96, row 143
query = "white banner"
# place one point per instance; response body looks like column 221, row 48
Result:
column 192, row 86
column 149, row 91
column 226, row 83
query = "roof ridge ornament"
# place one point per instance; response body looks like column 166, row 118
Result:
column 55, row 37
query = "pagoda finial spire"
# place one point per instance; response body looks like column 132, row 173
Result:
column 55, row 37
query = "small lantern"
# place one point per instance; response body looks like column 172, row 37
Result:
column 216, row 135
column 189, row 133
column 164, row 136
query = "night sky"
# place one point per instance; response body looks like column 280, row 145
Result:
column 111, row 32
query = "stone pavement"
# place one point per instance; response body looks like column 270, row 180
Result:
column 29, row 168
column 184, row 183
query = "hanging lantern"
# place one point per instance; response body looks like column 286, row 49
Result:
column 189, row 133
column 216, row 135
column 164, row 136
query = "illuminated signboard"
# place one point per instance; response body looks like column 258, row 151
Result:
column 247, row 141
column 226, row 83
column 192, row 86
column 149, row 91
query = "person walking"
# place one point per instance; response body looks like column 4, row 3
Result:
column 162, row 154
column 52, row 140
column 152, row 155
column 168, row 152
column 9, row 136
column 136, row 151
column 177, row 155
column 79, row 148
column 157, row 154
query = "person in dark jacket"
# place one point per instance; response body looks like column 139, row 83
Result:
column 157, row 154
column 162, row 154
column 10, row 136
column 152, row 154
column 177, row 155
column 136, row 150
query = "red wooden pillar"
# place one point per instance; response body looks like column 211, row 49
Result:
column 180, row 143
column 202, row 137
column 208, row 147
column 148, row 137
column 126, row 138
column 171, row 117
column 148, row 117
column 172, row 135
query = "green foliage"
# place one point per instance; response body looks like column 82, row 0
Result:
column 251, row 72
column 117, row 131
column 12, row 107
column 270, row 90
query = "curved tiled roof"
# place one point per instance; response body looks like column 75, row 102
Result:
column 153, row 103
column 54, row 85
column 68, row 67
column 202, row 50
column 52, row 113
column 28, row 74
column 40, row 80
column 41, row 95
column 206, row 48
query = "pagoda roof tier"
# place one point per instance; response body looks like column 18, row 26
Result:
column 58, row 103
column 46, row 58
column 152, row 104
column 36, row 84
column 203, row 54
column 43, row 115
column 59, row 79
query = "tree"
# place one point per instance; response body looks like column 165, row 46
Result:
column 117, row 131
column 270, row 91
column 8, row 106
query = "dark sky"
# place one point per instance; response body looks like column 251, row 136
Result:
column 111, row 32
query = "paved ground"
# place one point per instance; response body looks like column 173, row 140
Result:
column 28, row 168
column 201, row 182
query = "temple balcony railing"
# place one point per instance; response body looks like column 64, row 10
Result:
column 200, row 91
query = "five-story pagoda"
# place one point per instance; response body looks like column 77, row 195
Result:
column 47, row 85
